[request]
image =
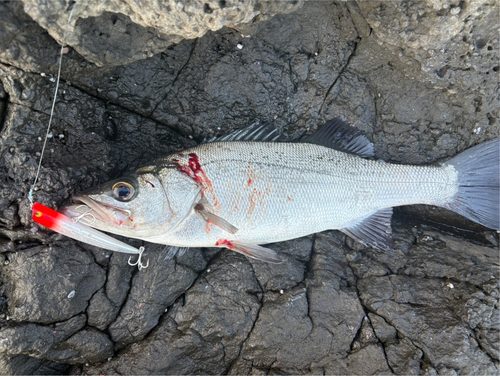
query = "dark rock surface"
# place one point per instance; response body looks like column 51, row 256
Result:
column 117, row 32
column 420, row 79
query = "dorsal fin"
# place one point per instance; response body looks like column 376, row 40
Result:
column 340, row 135
column 375, row 230
column 264, row 132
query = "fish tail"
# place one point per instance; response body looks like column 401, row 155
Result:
column 478, row 196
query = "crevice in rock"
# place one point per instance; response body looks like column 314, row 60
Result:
column 382, row 345
column 97, row 97
column 4, row 100
column 195, row 42
column 261, row 299
column 349, row 58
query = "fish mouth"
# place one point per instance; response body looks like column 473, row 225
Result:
column 88, row 211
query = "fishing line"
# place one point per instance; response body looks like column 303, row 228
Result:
column 59, row 222
column 30, row 194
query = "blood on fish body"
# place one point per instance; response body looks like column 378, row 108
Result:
column 194, row 170
column 225, row 243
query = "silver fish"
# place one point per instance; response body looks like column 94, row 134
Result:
column 249, row 189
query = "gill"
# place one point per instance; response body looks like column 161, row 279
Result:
column 58, row 222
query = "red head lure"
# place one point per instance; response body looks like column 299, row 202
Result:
column 62, row 224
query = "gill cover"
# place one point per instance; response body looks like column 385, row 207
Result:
column 140, row 206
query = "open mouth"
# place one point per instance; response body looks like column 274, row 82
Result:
column 88, row 211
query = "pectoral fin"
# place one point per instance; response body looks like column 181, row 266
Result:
column 375, row 230
column 250, row 250
column 215, row 219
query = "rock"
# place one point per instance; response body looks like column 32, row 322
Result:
column 404, row 357
column 368, row 360
column 383, row 331
column 204, row 332
column 25, row 365
column 125, row 31
column 47, row 285
column 150, row 294
column 333, row 305
column 39, row 340
column 85, row 346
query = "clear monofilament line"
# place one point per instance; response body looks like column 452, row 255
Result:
column 30, row 194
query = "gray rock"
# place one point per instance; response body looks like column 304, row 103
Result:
column 204, row 332
column 404, row 358
column 85, row 346
column 151, row 292
column 383, row 331
column 25, row 365
column 38, row 340
column 125, row 31
column 369, row 360
column 420, row 310
column 333, row 305
column 50, row 284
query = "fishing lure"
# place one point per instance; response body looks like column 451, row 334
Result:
column 62, row 224
column 70, row 227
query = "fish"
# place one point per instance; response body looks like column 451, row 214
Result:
column 255, row 187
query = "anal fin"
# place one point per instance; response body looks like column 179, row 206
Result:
column 215, row 219
column 250, row 250
column 375, row 230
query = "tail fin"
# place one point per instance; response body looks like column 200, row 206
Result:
column 478, row 196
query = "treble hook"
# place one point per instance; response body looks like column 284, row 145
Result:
column 139, row 264
column 88, row 212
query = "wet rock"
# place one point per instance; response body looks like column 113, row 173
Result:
column 383, row 331
column 150, row 294
column 50, row 284
column 127, row 31
column 420, row 310
column 333, row 305
column 404, row 357
column 107, row 302
column 85, row 346
column 25, row 365
column 64, row 342
column 288, row 274
column 368, row 360
column 305, row 327
column 204, row 331
column 38, row 340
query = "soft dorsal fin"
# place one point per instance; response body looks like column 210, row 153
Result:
column 340, row 135
column 264, row 132
column 375, row 230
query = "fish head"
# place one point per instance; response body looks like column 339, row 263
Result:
column 143, row 205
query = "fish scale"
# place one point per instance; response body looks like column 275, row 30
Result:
column 302, row 189
column 251, row 188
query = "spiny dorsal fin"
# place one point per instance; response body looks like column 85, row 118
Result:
column 375, row 230
column 264, row 132
column 340, row 135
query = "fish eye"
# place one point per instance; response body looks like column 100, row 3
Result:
column 123, row 191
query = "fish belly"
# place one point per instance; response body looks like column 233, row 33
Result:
column 278, row 191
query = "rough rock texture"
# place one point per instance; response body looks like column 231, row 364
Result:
column 419, row 78
column 117, row 32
